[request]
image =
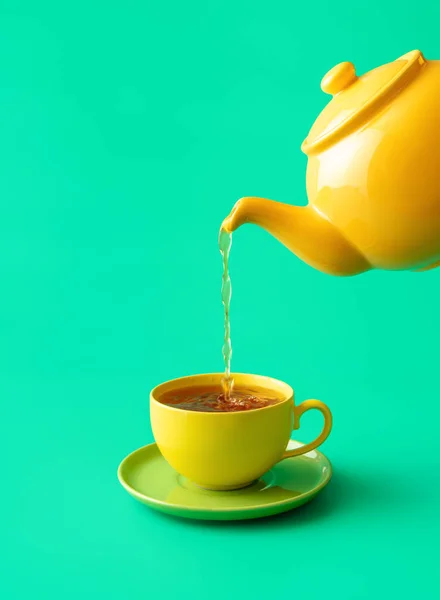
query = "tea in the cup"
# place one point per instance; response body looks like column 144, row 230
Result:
column 213, row 399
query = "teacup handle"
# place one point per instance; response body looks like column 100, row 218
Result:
column 298, row 411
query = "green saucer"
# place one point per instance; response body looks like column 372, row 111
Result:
column 147, row 476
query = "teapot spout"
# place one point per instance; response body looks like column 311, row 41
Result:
column 304, row 231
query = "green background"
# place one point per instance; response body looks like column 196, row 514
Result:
column 128, row 130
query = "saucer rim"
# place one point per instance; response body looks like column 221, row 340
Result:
column 255, row 508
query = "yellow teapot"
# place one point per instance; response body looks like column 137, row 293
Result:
column 373, row 174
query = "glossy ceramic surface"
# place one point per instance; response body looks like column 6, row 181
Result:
column 372, row 174
column 149, row 478
column 229, row 450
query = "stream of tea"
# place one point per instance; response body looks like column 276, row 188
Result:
column 208, row 398
column 232, row 399
column 225, row 242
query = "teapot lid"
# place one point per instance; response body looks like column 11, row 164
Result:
column 356, row 99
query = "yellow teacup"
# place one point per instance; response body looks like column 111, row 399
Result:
column 230, row 450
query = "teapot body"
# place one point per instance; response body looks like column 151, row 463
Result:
column 373, row 174
column 379, row 186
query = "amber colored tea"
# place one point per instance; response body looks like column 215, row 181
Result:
column 206, row 399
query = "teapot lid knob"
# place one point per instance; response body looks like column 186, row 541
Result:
column 338, row 78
